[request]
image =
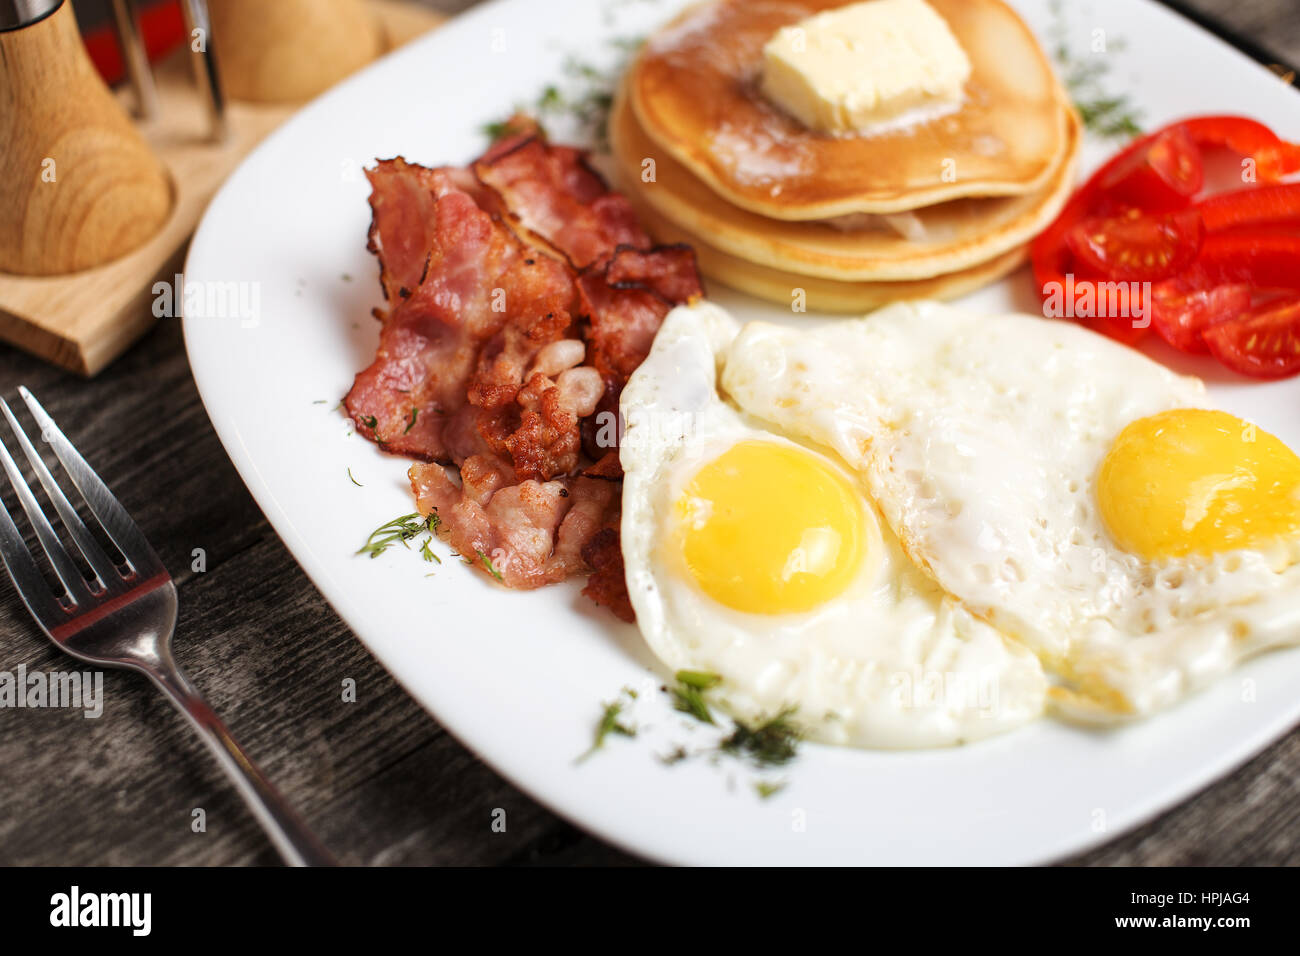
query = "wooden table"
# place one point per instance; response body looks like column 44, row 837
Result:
column 379, row 779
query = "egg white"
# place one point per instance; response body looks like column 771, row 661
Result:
column 892, row 662
column 980, row 437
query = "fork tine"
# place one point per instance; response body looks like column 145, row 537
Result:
column 69, row 574
column 94, row 554
column 112, row 516
column 26, row 576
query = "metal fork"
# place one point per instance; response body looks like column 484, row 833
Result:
column 125, row 615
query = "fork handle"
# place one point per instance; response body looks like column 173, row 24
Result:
column 297, row 844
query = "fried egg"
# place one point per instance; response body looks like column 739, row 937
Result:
column 1071, row 492
column 758, row 556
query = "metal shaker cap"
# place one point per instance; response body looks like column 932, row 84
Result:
column 16, row 14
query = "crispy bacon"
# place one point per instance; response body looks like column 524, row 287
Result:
column 521, row 293
column 531, row 533
column 552, row 194
column 626, row 299
column 607, row 585
column 476, row 284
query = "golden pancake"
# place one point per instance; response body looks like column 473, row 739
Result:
column 939, row 239
column 695, row 91
column 826, row 295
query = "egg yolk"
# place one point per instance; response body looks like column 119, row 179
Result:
column 1191, row 481
column 770, row 529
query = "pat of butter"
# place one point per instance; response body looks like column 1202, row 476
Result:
column 866, row 66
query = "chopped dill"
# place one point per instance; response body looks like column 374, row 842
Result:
column 769, row 744
column 766, row 788
column 370, row 421
column 354, row 479
column 503, row 128
column 700, row 680
column 550, row 99
column 321, row 401
column 689, row 700
column 674, row 756
column 772, row 742
column 411, row 423
column 609, row 724
column 584, row 96
column 427, row 554
column 688, row 695
column 398, row 531
column 1104, row 113
column 487, row 563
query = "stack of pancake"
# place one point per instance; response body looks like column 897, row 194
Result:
column 842, row 223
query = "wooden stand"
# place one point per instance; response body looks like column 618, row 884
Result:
column 78, row 185
column 82, row 321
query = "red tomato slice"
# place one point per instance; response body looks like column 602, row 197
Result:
column 1264, row 343
column 1162, row 175
column 1121, row 328
column 1181, row 312
column 1274, row 157
column 1137, row 247
column 1260, row 206
column 1267, row 261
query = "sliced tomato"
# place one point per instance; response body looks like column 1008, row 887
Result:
column 1265, row 261
column 1134, row 222
column 1138, row 247
column 1260, row 206
column 1181, row 312
column 1264, row 343
column 1274, row 157
column 1163, row 174
column 1121, row 328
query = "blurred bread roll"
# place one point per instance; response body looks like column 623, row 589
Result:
column 287, row 51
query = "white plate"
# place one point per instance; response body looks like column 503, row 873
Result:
column 519, row 677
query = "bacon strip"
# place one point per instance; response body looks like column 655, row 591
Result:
column 476, row 285
column 626, row 299
column 552, row 194
column 531, row 533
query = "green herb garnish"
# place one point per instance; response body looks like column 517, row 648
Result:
column 689, row 700
column 688, row 695
column 354, row 480
column 765, row 788
column 1106, row 114
column 487, row 563
column 411, row 423
column 769, row 744
column 503, row 128
column 609, row 724
column 585, row 96
column 700, row 680
column 398, row 531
